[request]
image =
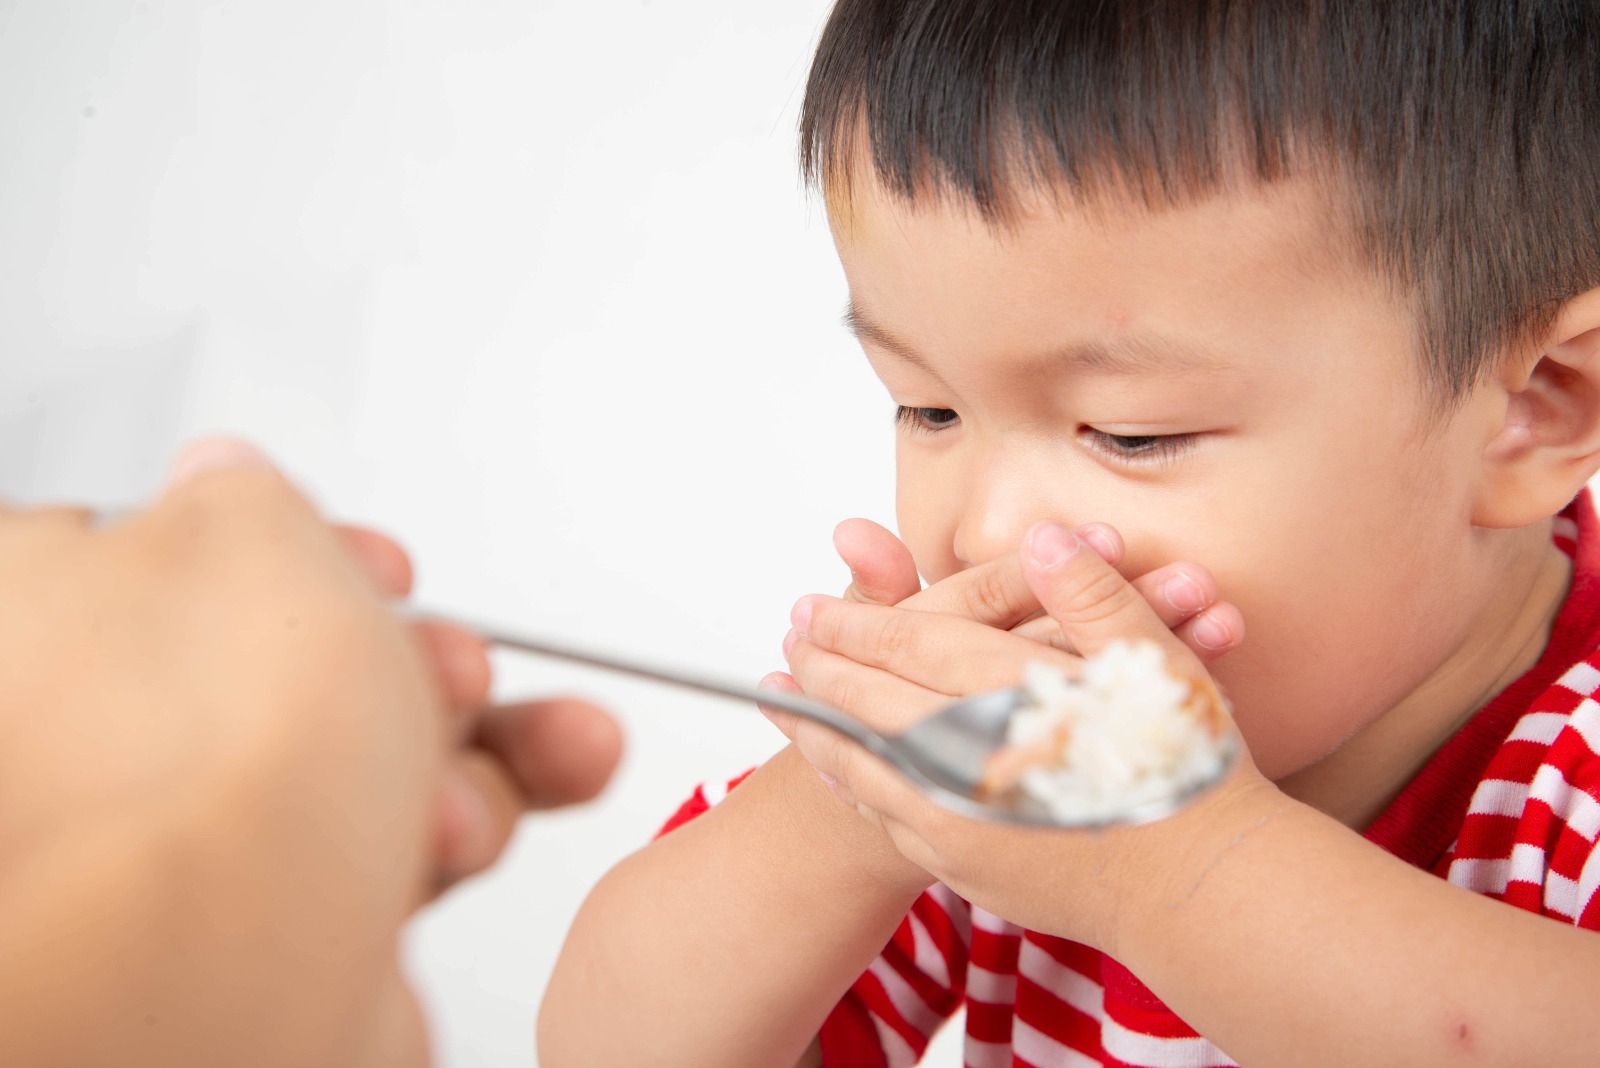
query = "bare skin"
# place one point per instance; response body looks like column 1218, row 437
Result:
column 230, row 775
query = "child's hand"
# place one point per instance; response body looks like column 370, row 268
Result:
column 1184, row 595
column 890, row 666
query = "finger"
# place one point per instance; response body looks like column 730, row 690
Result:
column 460, row 662
column 856, row 777
column 784, row 720
column 51, row 518
column 382, row 558
column 880, row 699
column 479, row 805
column 881, row 568
column 1210, row 634
column 1214, row 632
column 945, row 654
column 215, row 454
column 842, row 766
column 558, row 751
column 1177, row 591
column 1093, row 604
column 1044, row 630
column 245, row 475
column 995, row 592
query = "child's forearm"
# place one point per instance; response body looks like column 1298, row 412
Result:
column 1290, row 940
column 727, row 941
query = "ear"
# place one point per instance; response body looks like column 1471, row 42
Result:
column 1547, row 444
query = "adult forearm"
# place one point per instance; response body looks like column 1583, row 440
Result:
column 728, row 941
column 1290, row 940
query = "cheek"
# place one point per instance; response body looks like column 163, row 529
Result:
column 927, row 513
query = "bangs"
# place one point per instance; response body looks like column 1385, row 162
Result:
column 976, row 101
column 1460, row 139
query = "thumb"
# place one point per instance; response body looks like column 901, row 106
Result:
column 881, row 568
column 1093, row 604
column 215, row 454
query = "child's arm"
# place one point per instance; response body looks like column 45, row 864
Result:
column 1281, row 935
column 1288, row 939
column 728, row 940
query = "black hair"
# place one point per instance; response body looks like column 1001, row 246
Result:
column 1462, row 137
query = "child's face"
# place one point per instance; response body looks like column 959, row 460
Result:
column 1221, row 386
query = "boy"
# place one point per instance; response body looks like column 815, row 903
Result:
column 1308, row 293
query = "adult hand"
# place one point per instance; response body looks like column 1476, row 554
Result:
column 502, row 762
column 225, row 784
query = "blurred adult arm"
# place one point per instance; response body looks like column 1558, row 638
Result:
column 228, row 775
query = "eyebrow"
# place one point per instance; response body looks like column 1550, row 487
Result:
column 1134, row 355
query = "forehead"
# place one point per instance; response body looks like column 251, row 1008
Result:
column 1254, row 263
column 1289, row 228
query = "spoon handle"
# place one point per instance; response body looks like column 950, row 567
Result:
column 541, row 646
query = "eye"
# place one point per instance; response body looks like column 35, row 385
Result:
column 1139, row 448
column 925, row 420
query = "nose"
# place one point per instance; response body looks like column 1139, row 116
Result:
column 1004, row 496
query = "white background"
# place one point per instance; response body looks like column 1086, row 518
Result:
column 530, row 283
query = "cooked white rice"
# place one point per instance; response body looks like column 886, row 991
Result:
column 1124, row 735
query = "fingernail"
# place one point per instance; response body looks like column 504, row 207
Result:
column 1052, row 544
column 1210, row 634
column 1100, row 538
column 214, row 454
column 828, row 780
column 800, row 615
column 1184, row 593
column 788, row 643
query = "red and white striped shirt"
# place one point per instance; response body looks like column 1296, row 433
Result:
column 1509, row 807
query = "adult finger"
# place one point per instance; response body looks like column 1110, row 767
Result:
column 215, row 454
column 382, row 558
column 558, row 751
column 881, row 568
column 479, row 806
column 460, row 662
column 25, row 527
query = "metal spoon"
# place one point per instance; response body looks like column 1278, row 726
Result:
column 943, row 755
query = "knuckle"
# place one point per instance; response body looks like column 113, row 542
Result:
column 1101, row 595
column 845, row 692
column 897, row 638
column 989, row 595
